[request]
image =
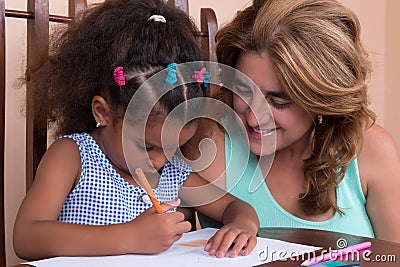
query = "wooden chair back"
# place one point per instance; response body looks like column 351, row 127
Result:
column 38, row 18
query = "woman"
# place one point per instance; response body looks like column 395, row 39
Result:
column 333, row 168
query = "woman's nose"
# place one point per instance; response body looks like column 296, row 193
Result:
column 259, row 114
column 252, row 118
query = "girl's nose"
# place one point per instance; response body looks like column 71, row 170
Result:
column 159, row 161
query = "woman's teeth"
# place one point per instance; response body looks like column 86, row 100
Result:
column 264, row 132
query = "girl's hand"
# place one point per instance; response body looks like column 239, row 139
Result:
column 237, row 240
column 155, row 232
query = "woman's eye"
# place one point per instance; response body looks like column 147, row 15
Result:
column 278, row 103
column 242, row 90
column 244, row 93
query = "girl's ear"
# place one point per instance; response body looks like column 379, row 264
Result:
column 101, row 111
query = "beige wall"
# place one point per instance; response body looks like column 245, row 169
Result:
column 15, row 132
column 392, row 70
column 379, row 19
column 373, row 22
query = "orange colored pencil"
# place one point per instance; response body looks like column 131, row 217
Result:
column 146, row 186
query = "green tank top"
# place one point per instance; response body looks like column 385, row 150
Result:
column 252, row 189
column 245, row 181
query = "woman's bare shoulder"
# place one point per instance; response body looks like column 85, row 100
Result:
column 379, row 167
column 379, row 155
column 378, row 143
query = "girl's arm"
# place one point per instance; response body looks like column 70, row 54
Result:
column 38, row 234
column 240, row 220
column 205, row 190
column 379, row 166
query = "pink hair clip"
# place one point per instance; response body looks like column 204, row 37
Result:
column 202, row 76
column 119, row 77
column 199, row 75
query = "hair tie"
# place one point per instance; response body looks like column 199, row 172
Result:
column 171, row 73
column 119, row 77
column 202, row 76
column 158, row 18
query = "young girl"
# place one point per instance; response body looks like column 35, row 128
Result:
column 333, row 167
column 84, row 200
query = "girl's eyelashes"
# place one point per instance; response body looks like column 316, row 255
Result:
column 149, row 148
column 145, row 146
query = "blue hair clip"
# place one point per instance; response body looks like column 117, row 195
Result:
column 171, row 73
column 207, row 78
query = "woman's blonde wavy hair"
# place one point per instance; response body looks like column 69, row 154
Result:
column 316, row 49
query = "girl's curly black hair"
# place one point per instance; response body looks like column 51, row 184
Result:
column 114, row 33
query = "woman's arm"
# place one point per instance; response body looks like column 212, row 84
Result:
column 379, row 166
column 38, row 234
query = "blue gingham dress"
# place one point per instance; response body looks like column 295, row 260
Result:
column 103, row 197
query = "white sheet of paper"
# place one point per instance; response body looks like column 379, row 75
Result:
column 267, row 250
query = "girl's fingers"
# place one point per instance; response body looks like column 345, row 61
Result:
column 231, row 242
column 241, row 244
column 184, row 227
column 214, row 242
column 251, row 244
column 227, row 241
column 168, row 205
